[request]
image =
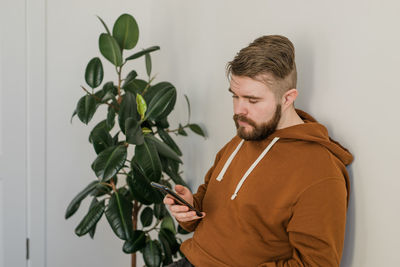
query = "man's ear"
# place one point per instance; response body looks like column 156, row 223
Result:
column 289, row 97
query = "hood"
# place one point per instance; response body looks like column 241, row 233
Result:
column 313, row 131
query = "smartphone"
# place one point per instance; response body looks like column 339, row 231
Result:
column 166, row 190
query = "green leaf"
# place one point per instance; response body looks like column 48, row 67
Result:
column 110, row 49
column 141, row 105
column 146, row 217
column 119, row 216
column 166, row 248
column 169, row 141
column 168, row 223
column 136, row 86
column 110, row 87
column 181, row 130
column 100, row 134
column 164, row 149
column 126, row 31
column 94, row 72
column 73, row 115
column 91, row 219
column 127, row 110
column 140, row 187
column 168, row 169
column 109, row 162
column 86, row 108
column 105, row 26
column 162, row 123
column 148, row 64
column 188, row 104
column 196, row 129
column 169, row 236
column 133, row 132
column 152, row 254
column 129, row 78
column 137, row 242
column 146, row 156
column 93, row 229
column 161, row 104
column 76, row 202
column 110, row 118
column 143, row 52
column 160, row 211
column 154, row 89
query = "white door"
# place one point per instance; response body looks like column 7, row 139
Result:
column 13, row 131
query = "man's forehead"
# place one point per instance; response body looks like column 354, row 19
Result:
column 261, row 81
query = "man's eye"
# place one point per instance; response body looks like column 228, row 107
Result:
column 252, row 101
column 235, row 96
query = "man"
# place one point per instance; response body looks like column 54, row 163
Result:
column 277, row 193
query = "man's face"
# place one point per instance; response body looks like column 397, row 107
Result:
column 256, row 112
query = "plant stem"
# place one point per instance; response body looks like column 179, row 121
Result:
column 119, row 84
column 136, row 208
column 98, row 99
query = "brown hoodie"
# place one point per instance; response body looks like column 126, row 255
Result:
column 288, row 209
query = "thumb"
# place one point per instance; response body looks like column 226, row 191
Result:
column 180, row 189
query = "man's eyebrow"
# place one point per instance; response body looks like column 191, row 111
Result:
column 245, row 96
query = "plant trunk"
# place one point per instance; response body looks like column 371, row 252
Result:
column 134, row 222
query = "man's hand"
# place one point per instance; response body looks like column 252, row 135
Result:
column 181, row 212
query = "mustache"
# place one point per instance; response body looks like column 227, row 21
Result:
column 238, row 117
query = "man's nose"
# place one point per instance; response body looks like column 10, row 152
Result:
column 239, row 107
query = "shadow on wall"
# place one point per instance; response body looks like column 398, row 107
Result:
column 348, row 249
column 305, row 73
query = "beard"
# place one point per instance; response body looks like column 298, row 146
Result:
column 259, row 131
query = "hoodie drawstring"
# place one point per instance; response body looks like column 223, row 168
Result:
column 229, row 161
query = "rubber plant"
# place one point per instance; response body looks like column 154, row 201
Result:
column 133, row 152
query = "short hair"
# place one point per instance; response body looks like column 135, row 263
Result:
column 270, row 56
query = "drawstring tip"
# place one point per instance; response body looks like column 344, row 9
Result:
column 233, row 196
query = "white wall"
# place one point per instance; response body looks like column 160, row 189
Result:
column 347, row 61
column 348, row 64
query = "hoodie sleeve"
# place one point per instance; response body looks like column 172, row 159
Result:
column 316, row 229
column 198, row 197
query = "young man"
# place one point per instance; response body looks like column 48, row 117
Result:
column 277, row 193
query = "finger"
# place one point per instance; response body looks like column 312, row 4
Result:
column 180, row 189
column 168, row 200
column 179, row 208
column 185, row 216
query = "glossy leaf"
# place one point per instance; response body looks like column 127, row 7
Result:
column 137, row 242
column 73, row 115
column 127, row 110
column 93, row 229
column 100, row 134
column 168, row 169
column 168, row 223
column 154, row 89
column 91, row 219
column 162, row 123
column 126, row 31
column 181, row 130
column 141, row 105
column 104, row 24
column 170, row 238
column 148, row 64
column 162, row 103
column 86, row 108
column 110, row 118
column 196, row 129
column 152, row 254
column 110, row 49
column 136, row 86
column 141, row 189
column 76, row 202
column 110, row 87
column 164, row 149
column 133, row 132
column 130, row 78
column 94, row 72
column 160, row 211
column 109, row 162
column 146, row 217
column 143, row 52
column 166, row 248
column 119, row 216
column 146, row 155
